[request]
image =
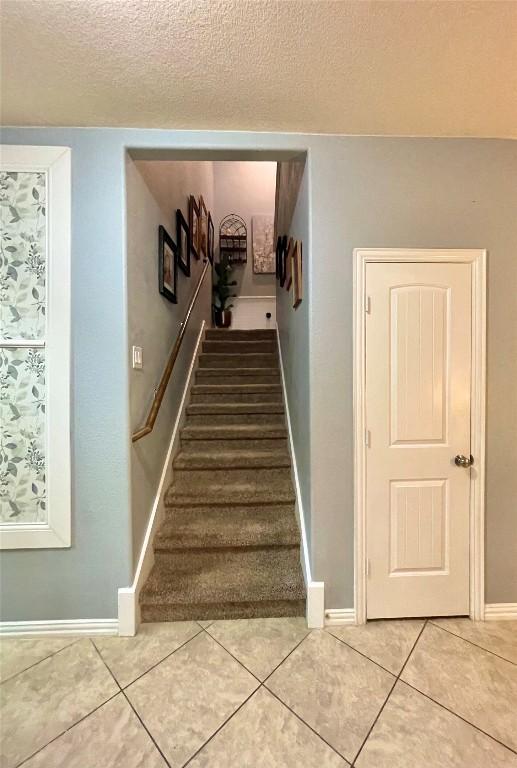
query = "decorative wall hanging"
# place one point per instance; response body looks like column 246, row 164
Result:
column 193, row 224
column 183, row 243
column 167, row 266
column 203, row 227
column 297, row 275
column 263, row 244
column 289, row 264
column 283, row 261
column 211, row 238
column 233, row 239
column 278, row 258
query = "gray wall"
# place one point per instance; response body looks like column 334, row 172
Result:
column 362, row 192
column 409, row 193
column 246, row 188
column 293, row 327
column 153, row 321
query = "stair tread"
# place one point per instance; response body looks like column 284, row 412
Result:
column 234, row 408
column 235, row 431
column 203, row 389
column 232, row 459
column 206, row 527
column 216, row 577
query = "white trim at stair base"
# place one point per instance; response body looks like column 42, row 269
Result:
column 59, row 627
column 338, row 617
column 501, row 612
column 128, row 605
column 315, row 612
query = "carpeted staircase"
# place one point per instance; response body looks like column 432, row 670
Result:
column 229, row 546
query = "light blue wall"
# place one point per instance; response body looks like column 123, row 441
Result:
column 363, row 192
column 293, row 327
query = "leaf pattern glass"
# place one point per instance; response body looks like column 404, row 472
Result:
column 23, row 237
column 22, row 440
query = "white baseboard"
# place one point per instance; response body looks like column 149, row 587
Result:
column 315, row 610
column 249, row 312
column 339, row 616
column 501, row 612
column 59, row 627
column 128, row 605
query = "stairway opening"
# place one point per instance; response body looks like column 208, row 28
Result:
column 215, row 529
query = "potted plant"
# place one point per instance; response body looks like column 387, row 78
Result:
column 222, row 292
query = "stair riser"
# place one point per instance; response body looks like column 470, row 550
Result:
column 194, row 446
column 197, row 480
column 232, row 409
column 223, row 377
column 253, row 335
column 235, row 397
column 236, row 347
column 238, row 361
column 241, row 558
column 238, row 460
column 199, row 611
column 240, row 418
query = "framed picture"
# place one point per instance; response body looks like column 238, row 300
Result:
column 203, row 228
column 193, row 225
column 167, row 266
column 297, row 275
column 211, row 236
column 183, row 237
column 283, row 261
column 278, row 258
column 262, row 232
column 289, row 264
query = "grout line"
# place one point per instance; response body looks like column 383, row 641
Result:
column 122, row 691
column 393, row 674
column 309, row 631
column 292, row 711
column 221, row 726
column 460, row 717
column 123, row 687
column 145, row 727
column 397, row 678
column 240, row 663
column 54, row 653
column 476, row 645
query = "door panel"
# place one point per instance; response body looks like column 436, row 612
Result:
column 418, row 417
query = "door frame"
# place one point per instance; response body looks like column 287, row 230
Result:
column 477, row 258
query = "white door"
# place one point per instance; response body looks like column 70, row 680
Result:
column 418, row 399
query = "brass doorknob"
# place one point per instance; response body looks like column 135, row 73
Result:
column 463, row 461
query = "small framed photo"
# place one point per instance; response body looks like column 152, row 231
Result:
column 193, row 225
column 297, row 275
column 283, row 261
column 167, row 266
column 289, row 264
column 211, row 236
column 203, row 228
column 183, row 237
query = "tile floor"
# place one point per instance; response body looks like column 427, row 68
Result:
column 264, row 693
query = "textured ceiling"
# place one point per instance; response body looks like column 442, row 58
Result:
column 402, row 68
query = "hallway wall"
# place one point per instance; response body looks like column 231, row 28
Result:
column 363, row 192
column 246, row 188
column 154, row 191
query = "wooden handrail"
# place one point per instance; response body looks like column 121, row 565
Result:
column 162, row 386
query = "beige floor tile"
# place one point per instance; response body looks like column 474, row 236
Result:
column 471, row 682
column 111, row 737
column 389, row 643
column 130, row 657
column 497, row 636
column 42, row 702
column 332, row 688
column 414, row 732
column 265, row 734
column 205, row 623
column 260, row 644
column 19, row 653
column 189, row 695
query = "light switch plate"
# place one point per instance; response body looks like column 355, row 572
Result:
column 138, row 359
